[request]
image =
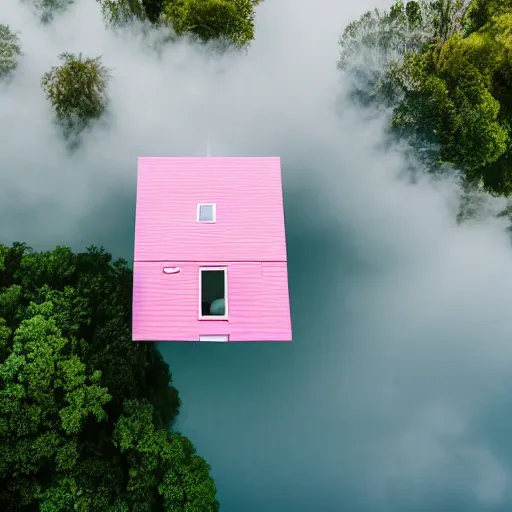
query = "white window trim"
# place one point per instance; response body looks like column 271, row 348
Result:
column 214, row 210
column 214, row 339
column 226, row 312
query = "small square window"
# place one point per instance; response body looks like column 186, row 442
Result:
column 206, row 212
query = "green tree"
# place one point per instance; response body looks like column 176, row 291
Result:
column 445, row 68
column 153, row 9
column 48, row 8
column 184, row 477
column 229, row 20
column 120, row 12
column 85, row 412
column 9, row 51
column 481, row 12
column 372, row 47
column 376, row 45
column 77, row 91
column 448, row 18
column 458, row 97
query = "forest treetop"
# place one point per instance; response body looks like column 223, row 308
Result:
column 85, row 412
column 445, row 69
column 77, row 89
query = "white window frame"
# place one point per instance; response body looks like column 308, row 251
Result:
column 214, row 339
column 214, row 210
column 226, row 312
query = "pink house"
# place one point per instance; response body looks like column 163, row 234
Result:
column 210, row 251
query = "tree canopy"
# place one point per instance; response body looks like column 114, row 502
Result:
column 85, row 412
column 229, row 21
column 9, row 51
column 450, row 89
column 46, row 9
column 119, row 12
column 77, row 90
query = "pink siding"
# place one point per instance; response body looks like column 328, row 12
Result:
column 248, row 194
column 166, row 307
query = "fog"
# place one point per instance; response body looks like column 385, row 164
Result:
column 395, row 393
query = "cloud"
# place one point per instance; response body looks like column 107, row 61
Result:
column 394, row 394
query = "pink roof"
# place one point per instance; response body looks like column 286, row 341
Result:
column 249, row 205
column 246, row 241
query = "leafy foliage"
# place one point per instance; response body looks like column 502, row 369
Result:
column 77, row 90
column 445, row 69
column 229, row 20
column 471, row 105
column 373, row 46
column 9, row 51
column 48, row 8
column 84, row 411
column 481, row 12
column 448, row 18
column 184, row 483
column 120, row 12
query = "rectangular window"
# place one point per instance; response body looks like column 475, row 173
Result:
column 214, row 339
column 206, row 212
column 213, row 296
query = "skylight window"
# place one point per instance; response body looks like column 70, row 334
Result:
column 206, row 212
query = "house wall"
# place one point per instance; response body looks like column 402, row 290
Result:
column 166, row 306
column 250, row 218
